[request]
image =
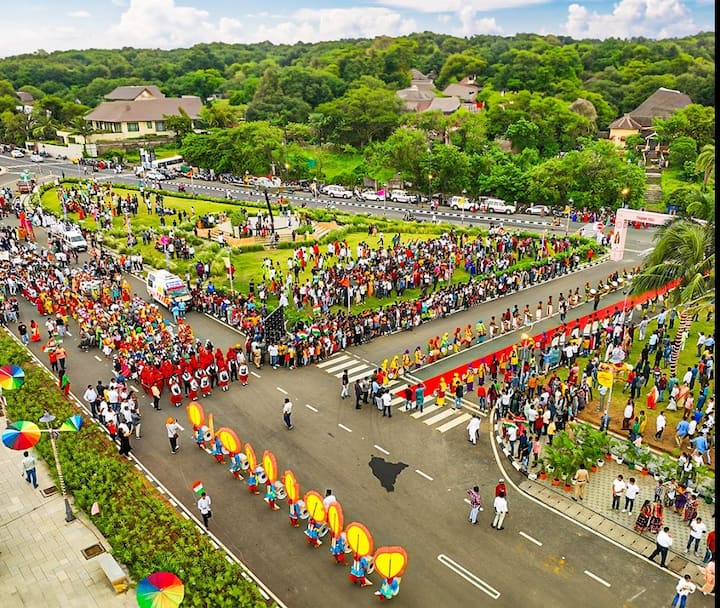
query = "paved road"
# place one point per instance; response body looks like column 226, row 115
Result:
column 333, row 445
column 51, row 168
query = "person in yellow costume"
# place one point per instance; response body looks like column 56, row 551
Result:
column 418, row 357
column 469, row 379
column 444, row 344
column 406, row 360
column 468, row 335
column 394, row 367
column 384, row 366
column 480, row 331
column 514, row 358
column 441, row 391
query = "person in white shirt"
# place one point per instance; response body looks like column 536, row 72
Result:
column 329, row 498
column 618, row 489
column 501, row 510
column 91, row 397
column 173, row 428
column 660, row 423
column 631, row 492
column 204, row 504
column 684, row 588
column 663, row 542
column 697, row 529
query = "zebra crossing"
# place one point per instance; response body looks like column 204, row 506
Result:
column 441, row 419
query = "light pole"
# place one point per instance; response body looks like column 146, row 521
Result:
column 47, row 418
column 524, row 357
column 569, row 210
column 429, row 187
column 625, row 191
column 464, row 203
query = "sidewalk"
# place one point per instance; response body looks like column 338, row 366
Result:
column 595, row 512
column 41, row 560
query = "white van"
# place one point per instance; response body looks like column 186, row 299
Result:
column 74, row 240
column 166, row 288
column 461, row 203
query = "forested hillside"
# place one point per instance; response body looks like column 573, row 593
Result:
column 330, row 111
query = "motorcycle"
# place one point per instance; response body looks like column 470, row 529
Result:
column 181, row 188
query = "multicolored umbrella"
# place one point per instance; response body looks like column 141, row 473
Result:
column 11, row 377
column 160, row 590
column 21, row 435
column 72, row 424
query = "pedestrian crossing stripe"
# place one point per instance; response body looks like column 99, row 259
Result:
column 351, row 372
column 427, row 409
column 335, row 368
column 334, row 359
column 441, row 416
column 464, row 417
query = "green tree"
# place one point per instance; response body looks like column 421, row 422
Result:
column 180, row 124
column 682, row 150
column 522, row 134
column 705, row 163
column 683, row 251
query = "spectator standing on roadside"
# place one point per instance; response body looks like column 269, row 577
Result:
column 618, row 489
column 582, row 478
column 631, row 492
column 345, row 385
column 28, row 469
column 684, row 588
column 697, row 529
column 663, row 542
column 475, row 503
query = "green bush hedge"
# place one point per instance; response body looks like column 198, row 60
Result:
column 147, row 534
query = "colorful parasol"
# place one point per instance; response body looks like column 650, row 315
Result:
column 11, row 377
column 314, row 505
column 160, row 590
column 229, row 440
column 21, row 435
column 292, row 487
column 390, row 561
column 250, row 454
column 72, row 424
column 195, row 413
column 270, row 465
column 359, row 538
column 335, row 518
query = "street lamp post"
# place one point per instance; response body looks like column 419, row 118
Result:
column 524, row 357
column 569, row 210
column 47, row 418
column 430, row 187
column 464, row 201
column 625, row 191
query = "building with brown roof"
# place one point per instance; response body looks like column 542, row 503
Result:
column 661, row 104
column 139, row 111
column 421, row 95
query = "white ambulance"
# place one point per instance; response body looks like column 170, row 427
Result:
column 166, row 288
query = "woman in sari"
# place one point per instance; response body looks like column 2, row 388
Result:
column 643, row 519
column 656, row 517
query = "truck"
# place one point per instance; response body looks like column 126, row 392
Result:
column 165, row 287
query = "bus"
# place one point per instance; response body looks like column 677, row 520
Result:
column 171, row 162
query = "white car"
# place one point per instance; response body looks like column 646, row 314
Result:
column 36, row 158
column 156, row 176
column 497, row 205
column 15, row 153
column 371, row 195
column 337, row 191
column 462, row 203
column 538, row 210
column 400, row 196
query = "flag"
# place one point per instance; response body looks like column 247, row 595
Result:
column 198, row 487
column 345, row 282
column 381, row 193
column 227, row 263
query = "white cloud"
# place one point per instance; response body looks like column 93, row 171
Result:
column 470, row 26
column 79, row 14
column 160, row 23
column 631, row 18
column 311, row 25
column 456, row 6
column 164, row 24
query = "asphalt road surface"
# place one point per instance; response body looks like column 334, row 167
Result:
column 400, row 477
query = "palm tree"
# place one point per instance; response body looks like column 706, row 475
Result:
column 705, row 162
column 685, row 252
column 702, row 205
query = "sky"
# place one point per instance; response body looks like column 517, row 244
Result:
column 52, row 25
